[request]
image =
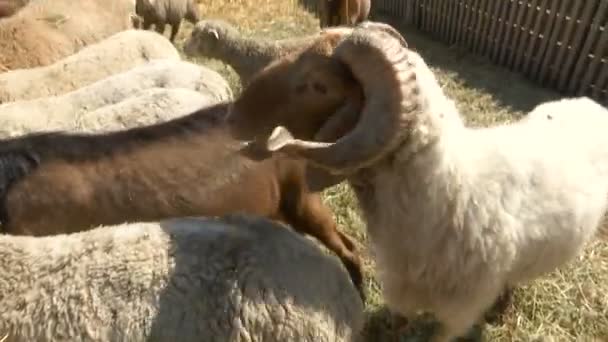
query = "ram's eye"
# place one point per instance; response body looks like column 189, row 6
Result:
column 319, row 88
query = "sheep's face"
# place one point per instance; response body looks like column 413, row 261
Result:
column 299, row 93
column 207, row 37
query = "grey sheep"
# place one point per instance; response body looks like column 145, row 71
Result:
column 218, row 39
column 162, row 12
column 59, row 112
column 235, row 278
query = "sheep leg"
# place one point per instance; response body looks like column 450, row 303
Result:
column 499, row 309
column 312, row 217
column 147, row 24
column 174, row 30
column 160, row 27
column 399, row 325
column 458, row 317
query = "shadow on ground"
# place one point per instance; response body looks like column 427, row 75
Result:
column 508, row 88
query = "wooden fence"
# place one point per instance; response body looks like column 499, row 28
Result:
column 561, row 44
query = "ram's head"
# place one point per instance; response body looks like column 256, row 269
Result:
column 340, row 104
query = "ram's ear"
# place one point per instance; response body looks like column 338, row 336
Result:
column 319, row 179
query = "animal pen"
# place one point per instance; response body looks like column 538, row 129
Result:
column 560, row 44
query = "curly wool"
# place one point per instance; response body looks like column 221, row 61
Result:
column 55, row 112
column 113, row 55
column 230, row 279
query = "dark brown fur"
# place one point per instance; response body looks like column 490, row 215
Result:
column 60, row 183
column 343, row 12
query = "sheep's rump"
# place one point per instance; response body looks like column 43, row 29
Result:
column 63, row 112
column 118, row 53
column 189, row 279
column 45, row 31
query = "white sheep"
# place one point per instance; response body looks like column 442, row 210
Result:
column 56, row 112
column 112, row 55
column 455, row 214
column 162, row 12
column 572, row 111
column 149, row 106
column 236, row 278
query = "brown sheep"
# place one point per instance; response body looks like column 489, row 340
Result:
column 343, row 12
column 10, row 7
column 56, row 182
column 162, row 12
column 318, row 97
column 46, row 31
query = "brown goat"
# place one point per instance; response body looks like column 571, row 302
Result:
column 57, row 182
column 343, row 12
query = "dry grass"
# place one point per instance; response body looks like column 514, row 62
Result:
column 567, row 305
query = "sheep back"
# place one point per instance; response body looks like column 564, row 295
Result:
column 112, row 55
column 45, row 31
column 59, row 112
column 149, row 107
column 189, row 279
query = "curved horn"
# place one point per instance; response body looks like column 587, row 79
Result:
column 379, row 62
column 375, row 25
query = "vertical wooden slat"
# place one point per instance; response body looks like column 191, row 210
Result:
column 553, row 47
column 486, row 14
column 565, row 40
column 479, row 14
column 443, row 19
column 447, row 20
column 417, row 14
column 523, row 34
column 577, row 41
column 470, row 41
column 498, row 27
column 591, row 37
column 515, row 30
column 601, row 50
column 438, row 15
column 427, row 15
column 465, row 22
column 452, row 16
column 539, row 39
column 424, row 14
column 503, row 39
column 602, row 82
column 433, row 21
column 458, row 14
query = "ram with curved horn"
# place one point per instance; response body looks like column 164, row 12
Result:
column 453, row 216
